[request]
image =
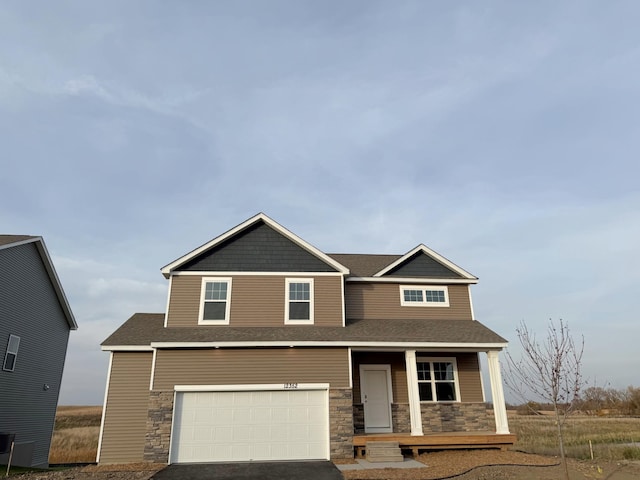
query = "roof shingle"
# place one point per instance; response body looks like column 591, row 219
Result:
column 144, row 328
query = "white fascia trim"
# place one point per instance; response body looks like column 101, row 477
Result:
column 433, row 254
column 166, row 311
column 126, row 348
column 166, row 270
column 256, row 274
column 104, row 407
column 153, row 369
column 482, row 347
column 473, row 315
column 344, row 305
column 414, row 280
column 251, row 388
column 350, row 359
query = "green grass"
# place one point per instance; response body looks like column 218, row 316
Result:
column 611, row 438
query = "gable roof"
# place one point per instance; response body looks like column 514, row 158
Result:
column 11, row 241
column 423, row 249
column 146, row 330
column 236, row 231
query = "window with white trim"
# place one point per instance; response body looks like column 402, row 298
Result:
column 11, row 355
column 438, row 380
column 417, row 296
column 215, row 301
column 299, row 301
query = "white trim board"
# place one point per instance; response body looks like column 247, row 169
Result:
column 297, row 343
column 250, row 387
column 414, row 280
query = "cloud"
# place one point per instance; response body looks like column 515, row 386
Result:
column 101, row 300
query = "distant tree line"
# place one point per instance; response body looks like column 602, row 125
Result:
column 593, row 401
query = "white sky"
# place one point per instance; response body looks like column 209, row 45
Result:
column 503, row 135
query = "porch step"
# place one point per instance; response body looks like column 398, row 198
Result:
column 384, row 452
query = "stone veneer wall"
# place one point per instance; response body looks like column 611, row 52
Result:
column 454, row 417
column 341, row 423
column 358, row 418
column 159, row 418
column 401, row 418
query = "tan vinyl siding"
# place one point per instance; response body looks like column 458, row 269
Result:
column 256, row 300
column 469, row 377
column 382, row 301
column 251, row 366
column 125, row 420
column 398, row 373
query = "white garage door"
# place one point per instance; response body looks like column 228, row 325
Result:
column 250, row 425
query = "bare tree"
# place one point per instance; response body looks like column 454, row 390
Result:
column 549, row 371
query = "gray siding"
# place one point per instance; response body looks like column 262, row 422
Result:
column 29, row 308
column 421, row 265
column 259, row 248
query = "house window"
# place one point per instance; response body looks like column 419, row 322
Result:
column 12, row 353
column 438, row 380
column 215, row 300
column 412, row 296
column 299, row 301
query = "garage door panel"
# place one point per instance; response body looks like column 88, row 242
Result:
column 250, row 425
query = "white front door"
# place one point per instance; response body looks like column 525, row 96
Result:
column 376, row 397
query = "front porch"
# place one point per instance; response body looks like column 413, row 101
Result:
column 435, row 441
column 427, row 400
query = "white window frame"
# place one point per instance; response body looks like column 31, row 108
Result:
column 431, row 361
column 13, row 346
column 424, row 290
column 289, row 281
column 227, row 312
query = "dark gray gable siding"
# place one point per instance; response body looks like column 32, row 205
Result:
column 422, row 265
column 29, row 308
column 259, row 248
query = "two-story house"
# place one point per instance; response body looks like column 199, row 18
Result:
column 270, row 349
column 35, row 322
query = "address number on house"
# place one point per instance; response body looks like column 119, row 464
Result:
column 290, row 386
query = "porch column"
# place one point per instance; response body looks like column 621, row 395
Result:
column 499, row 408
column 414, row 394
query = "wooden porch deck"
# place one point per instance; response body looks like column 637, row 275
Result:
column 436, row 441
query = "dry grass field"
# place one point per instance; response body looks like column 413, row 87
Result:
column 75, row 436
column 612, row 438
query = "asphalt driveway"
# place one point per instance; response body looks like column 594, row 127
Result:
column 320, row 470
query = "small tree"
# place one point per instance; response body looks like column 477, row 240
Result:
column 550, row 371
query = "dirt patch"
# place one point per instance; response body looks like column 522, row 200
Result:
column 132, row 471
column 497, row 465
column 458, row 465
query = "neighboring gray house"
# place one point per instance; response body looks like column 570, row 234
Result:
column 35, row 320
